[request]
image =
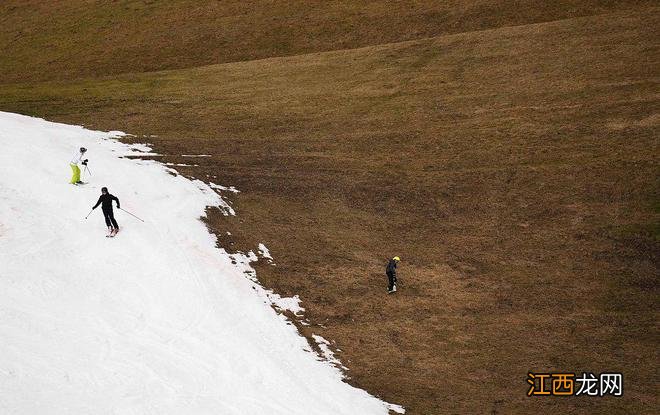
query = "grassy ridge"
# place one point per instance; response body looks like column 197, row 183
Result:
column 42, row 40
column 514, row 170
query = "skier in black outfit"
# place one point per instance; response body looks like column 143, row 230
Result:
column 106, row 205
column 391, row 274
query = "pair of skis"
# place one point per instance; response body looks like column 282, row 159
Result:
column 112, row 233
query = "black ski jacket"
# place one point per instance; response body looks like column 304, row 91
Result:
column 391, row 267
column 106, row 202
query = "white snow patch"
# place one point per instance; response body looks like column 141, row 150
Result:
column 181, row 164
column 224, row 188
column 264, row 252
column 281, row 303
column 251, row 256
column 396, row 408
column 328, row 354
column 134, row 150
column 138, row 147
column 291, row 304
column 155, row 321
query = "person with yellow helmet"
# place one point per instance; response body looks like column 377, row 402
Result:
column 390, row 270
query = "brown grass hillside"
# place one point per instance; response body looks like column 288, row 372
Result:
column 515, row 171
column 55, row 39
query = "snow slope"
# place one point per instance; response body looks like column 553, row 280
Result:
column 155, row 321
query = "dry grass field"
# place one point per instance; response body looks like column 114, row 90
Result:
column 55, row 39
column 507, row 152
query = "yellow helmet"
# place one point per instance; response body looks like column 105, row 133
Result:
column 396, row 258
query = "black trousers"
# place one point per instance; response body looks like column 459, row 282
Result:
column 110, row 218
column 391, row 280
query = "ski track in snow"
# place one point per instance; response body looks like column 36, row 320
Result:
column 155, row 321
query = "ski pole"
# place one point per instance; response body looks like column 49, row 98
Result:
column 90, row 212
column 88, row 170
column 130, row 214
